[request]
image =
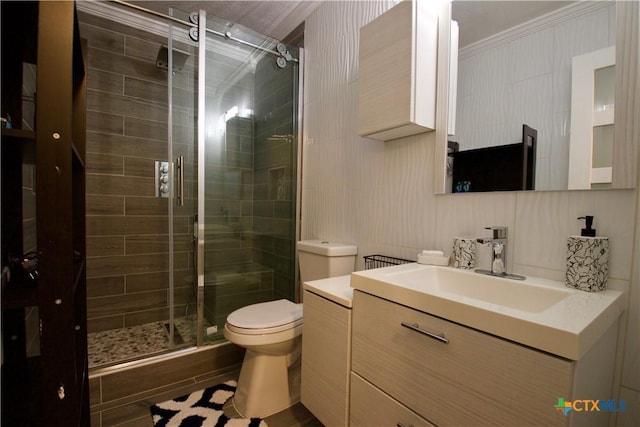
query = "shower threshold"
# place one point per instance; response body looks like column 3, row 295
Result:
column 115, row 346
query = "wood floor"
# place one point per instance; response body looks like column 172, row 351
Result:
column 136, row 414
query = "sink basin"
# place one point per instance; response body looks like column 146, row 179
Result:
column 540, row 313
column 491, row 289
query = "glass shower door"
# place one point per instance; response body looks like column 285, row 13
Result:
column 250, row 172
column 182, row 152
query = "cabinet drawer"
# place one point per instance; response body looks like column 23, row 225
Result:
column 372, row 407
column 474, row 379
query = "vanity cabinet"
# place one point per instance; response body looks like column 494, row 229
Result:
column 326, row 356
column 397, row 74
column 371, row 406
column 473, row 379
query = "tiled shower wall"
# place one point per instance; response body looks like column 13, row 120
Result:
column 249, row 195
column 250, row 207
column 275, row 169
column 127, row 226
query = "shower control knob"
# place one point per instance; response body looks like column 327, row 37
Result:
column 164, row 188
column 164, row 179
column 164, row 168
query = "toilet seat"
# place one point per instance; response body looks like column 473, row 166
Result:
column 265, row 318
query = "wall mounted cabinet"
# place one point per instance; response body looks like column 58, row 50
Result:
column 397, row 76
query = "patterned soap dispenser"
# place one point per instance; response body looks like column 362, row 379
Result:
column 587, row 259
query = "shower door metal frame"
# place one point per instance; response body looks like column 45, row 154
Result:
column 202, row 58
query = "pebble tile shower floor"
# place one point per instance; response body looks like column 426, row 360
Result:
column 121, row 345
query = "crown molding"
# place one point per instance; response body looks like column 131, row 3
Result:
column 537, row 24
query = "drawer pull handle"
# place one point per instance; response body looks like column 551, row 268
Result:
column 402, row 425
column 417, row 328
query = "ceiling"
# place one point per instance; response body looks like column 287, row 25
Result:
column 275, row 19
column 478, row 19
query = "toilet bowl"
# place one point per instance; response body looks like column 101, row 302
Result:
column 271, row 334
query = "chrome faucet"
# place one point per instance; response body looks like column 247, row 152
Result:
column 498, row 244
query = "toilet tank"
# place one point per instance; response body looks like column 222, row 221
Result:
column 320, row 259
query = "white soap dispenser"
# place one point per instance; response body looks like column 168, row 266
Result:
column 587, row 259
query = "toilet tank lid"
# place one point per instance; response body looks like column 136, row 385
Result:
column 327, row 248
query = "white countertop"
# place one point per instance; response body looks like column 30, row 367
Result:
column 336, row 289
column 567, row 328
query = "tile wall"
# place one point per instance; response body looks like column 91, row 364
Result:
column 275, row 169
column 127, row 226
column 249, row 192
column 380, row 196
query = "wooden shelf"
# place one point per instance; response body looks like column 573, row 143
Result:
column 18, row 134
column 27, row 141
column 46, row 34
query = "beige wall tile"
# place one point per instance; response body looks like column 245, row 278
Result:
column 104, row 164
column 105, row 323
column 137, row 166
column 146, row 206
column 103, row 122
column 146, row 316
column 129, row 264
column 107, row 143
column 95, row 389
column 143, row 49
column 126, row 106
column 145, row 128
column 117, row 63
column 147, row 281
column 103, row 81
column 101, row 38
column 120, row 185
column 114, row 305
column 105, row 245
column 147, row 244
column 103, row 286
column 149, row 91
column 105, row 205
column 126, row 383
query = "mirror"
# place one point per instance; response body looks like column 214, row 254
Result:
column 514, row 84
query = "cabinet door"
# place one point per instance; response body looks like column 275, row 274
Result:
column 326, row 343
column 397, row 75
column 474, row 379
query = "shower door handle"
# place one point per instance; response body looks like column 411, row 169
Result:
column 180, row 171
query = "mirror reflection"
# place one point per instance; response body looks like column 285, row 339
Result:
column 516, row 110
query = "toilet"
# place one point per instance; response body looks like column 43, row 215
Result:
column 271, row 333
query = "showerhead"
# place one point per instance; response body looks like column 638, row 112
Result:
column 179, row 58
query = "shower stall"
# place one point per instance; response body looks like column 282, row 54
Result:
column 192, row 199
